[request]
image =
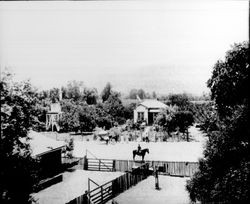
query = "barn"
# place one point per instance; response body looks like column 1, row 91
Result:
column 147, row 110
column 49, row 153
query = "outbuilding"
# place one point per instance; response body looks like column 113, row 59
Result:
column 49, row 153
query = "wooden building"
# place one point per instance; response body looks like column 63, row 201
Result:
column 49, row 153
column 148, row 110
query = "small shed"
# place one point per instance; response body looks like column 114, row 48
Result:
column 48, row 151
column 148, row 110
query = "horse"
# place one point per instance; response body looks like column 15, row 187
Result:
column 141, row 153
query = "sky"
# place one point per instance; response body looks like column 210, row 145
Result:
column 162, row 46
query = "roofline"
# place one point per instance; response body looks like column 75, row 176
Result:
column 141, row 105
column 51, row 150
column 152, row 107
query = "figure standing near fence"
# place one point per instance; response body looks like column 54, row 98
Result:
column 156, row 179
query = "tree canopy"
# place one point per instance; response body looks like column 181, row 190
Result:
column 224, row 171
column 19, row 171
column 180, row 100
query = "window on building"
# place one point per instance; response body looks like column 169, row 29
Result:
column 140, row 116
column 155, row 116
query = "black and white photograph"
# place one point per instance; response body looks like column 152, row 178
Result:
column 125, row 102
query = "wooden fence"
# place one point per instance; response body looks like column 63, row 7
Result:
column 109, row 190
column 172, row 168
column 100, row 165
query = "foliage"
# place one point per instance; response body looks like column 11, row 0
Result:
column 87, row 119
column 106, row 92
column 128, row 111
column 19, row 173
column 230, row 80
column 74, row 91
column 180, row 100
column 224, row 172
column 70, row 117
column 90, row 96
column 113, row 106
column 154, row 95
column 69, row 147
column 165, row 119
column 172, row 119
column 54, row 95
column 103, row 119
column 183, row 120
column 137, row 92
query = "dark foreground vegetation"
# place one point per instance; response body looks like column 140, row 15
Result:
column 224, row 172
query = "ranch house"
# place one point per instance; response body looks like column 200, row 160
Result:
column 148, row 110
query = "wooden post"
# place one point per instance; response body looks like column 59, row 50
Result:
column 156, row 179
column 85, row 164
column 114, row 165
column 99, row 164
column 88, row 185
column 102, row 194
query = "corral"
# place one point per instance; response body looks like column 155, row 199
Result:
column 112, row 165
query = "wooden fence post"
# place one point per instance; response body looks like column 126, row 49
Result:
column 102, row 194
column 114, row 169
column 85, row 163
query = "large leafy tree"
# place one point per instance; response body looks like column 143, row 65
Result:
column 18, row 171
column 171, row 120
column 230, row 79
column 69, row 121
column 183, row 120
column 224, row 171
column 87, row 118
column 180, row 100
column 113, row 106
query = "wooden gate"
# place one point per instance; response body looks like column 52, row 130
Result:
column 100, row 165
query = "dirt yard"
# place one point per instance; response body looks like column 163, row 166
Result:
column 161, row 151
column 73, row 185
column 172, row 191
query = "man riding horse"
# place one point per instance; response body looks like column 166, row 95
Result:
column 140, row 152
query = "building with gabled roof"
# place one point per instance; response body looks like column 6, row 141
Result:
column 148, row 110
